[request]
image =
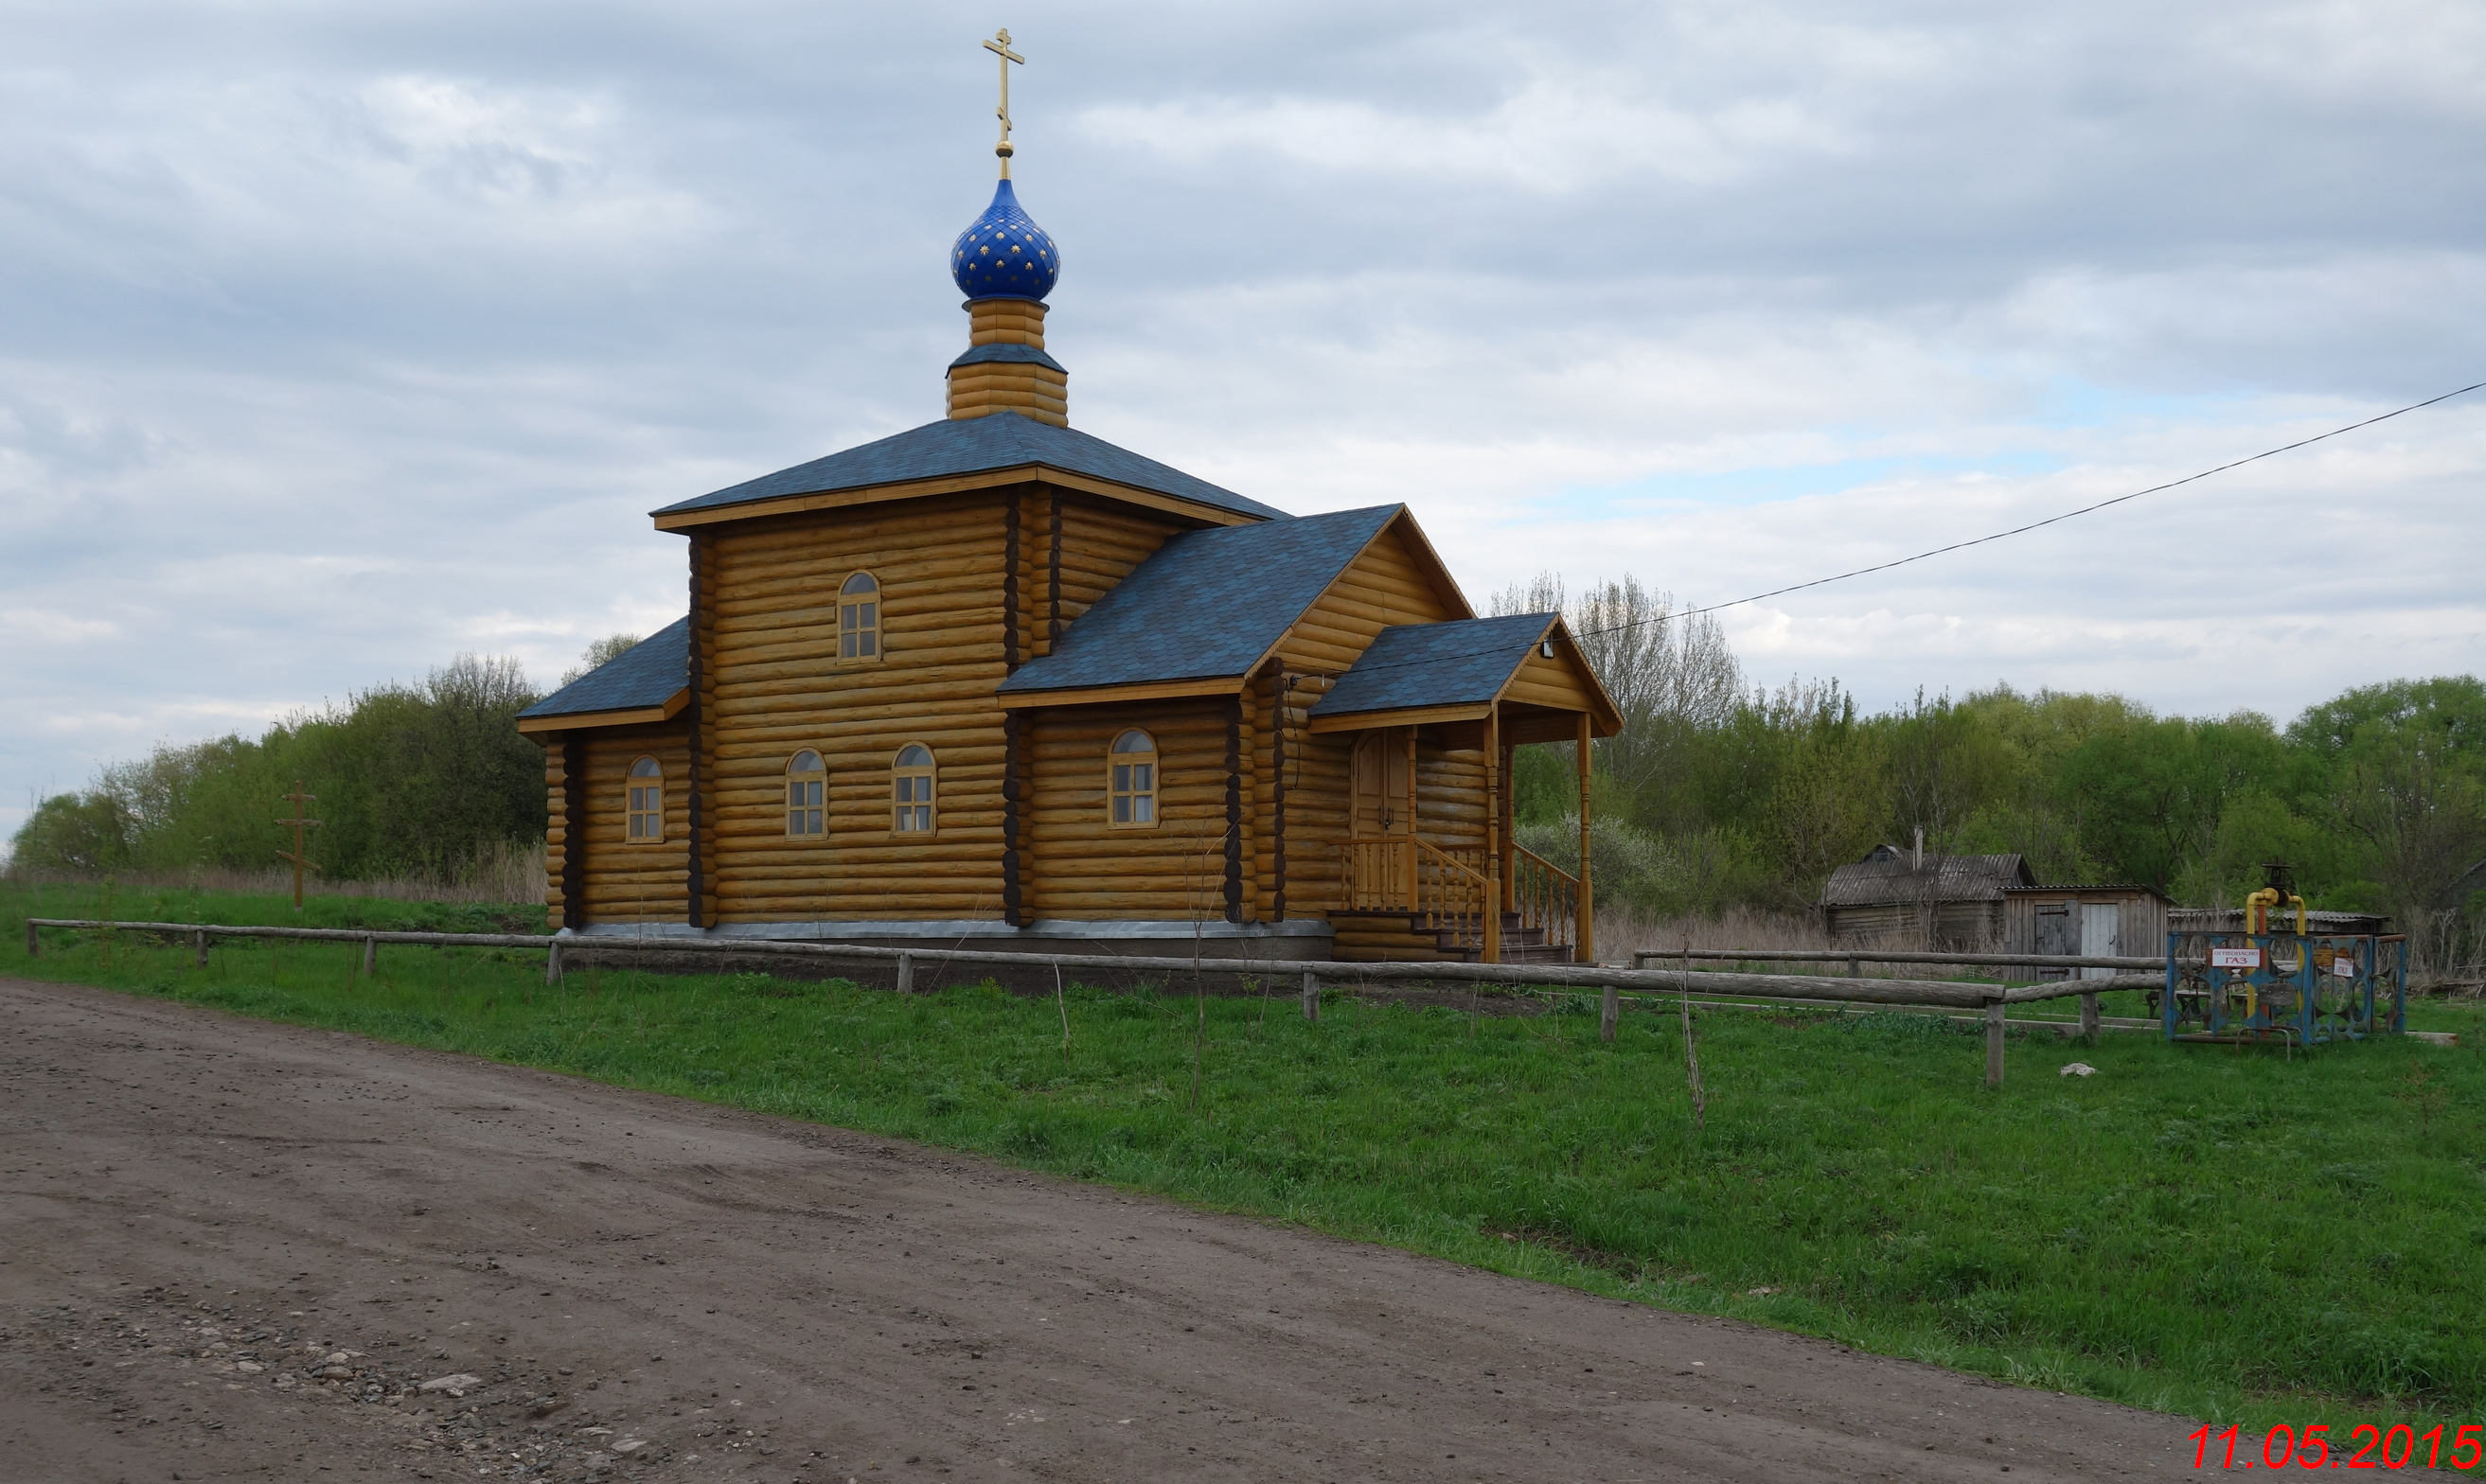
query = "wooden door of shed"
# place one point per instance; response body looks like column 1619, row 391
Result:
column 2058, row 931
column 2101, row 934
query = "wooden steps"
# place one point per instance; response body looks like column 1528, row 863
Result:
column 1378, row 936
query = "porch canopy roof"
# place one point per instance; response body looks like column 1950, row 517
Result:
column 1453, row 674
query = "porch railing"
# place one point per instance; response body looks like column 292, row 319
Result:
column 1545, row 896
column 1451, row 889
column 1447, row 889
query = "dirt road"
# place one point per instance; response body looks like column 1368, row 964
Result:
column 231, row 1250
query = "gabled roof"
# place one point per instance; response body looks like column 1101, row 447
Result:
column 1206, row 605
column 1463, row 662
column 969, row 446
column 1523, row 669
column 646, row 676
column 1886, row 878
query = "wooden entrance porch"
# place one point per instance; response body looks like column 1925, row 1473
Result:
column 1493, row 902
column 1446, row 867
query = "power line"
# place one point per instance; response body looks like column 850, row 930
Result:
column 1884, row 567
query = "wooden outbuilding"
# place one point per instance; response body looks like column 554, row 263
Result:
column 2105, row 920
column 1898, row 895
column 995, row 679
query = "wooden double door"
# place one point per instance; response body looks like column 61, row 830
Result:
column 1385, row 783
column 1381, row 843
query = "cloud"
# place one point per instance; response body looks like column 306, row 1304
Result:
column 344, row 338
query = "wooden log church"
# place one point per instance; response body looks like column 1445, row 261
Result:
column 995, row 681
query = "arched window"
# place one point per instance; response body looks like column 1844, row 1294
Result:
column 859, row 619
column 910, row 790
column 807, row 783
column 1131, row 782
column 647, row 810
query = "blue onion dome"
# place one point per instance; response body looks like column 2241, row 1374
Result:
column 1004, row 255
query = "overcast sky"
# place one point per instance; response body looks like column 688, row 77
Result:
column 336, row 339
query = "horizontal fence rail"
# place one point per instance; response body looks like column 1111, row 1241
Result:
column 1642, row 956
column 1938, row 992
column 1643, row 981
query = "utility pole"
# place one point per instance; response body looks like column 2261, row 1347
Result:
column 298, row 854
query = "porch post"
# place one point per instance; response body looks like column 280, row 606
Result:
column 1493, row 786
column 1508, row 815
column 1586, row 933
column 1410, row 851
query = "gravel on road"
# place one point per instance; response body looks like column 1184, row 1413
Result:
column 237, row 1250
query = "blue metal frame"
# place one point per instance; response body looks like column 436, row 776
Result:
column 2296, row 997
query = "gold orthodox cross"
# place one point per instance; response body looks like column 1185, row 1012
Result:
column 1000, row 46
column 298, row 798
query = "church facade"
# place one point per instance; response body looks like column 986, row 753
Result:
column 994, row 679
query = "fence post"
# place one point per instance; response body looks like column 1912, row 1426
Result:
column 1994, row 1042
column 906, row 973
column 34, row 944
column 1854, row 967
column 1311, row 995
column 1608, row 1013
column 370, row 956
column 202, row 936
column 552, row 962
column 2089, row 1018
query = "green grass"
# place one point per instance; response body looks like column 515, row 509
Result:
column 2224, row 1232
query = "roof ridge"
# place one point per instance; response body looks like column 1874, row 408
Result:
column 964, row 446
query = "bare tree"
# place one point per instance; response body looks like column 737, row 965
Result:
column 1668, row 674
column 602, row 652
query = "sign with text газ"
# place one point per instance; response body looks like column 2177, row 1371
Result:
column 2235, row 958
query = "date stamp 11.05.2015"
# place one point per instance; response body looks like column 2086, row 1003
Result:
column 2366, row 1446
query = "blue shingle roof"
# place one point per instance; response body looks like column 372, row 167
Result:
column 955, row 446
column 1208, row 605
column 1465, row 662
column 648, row 674
column 1006, row 355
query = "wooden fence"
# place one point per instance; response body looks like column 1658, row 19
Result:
column 1642, row 982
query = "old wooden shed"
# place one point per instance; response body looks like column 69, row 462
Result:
column 2103, row 919
column 1900, row 895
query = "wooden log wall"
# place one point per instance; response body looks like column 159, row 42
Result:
column 564, row 868
column 560, row 775
column 700, row 887
column 1383, row 587
column 779, row 687
column 1449, row 794
column 1100, row 542
column 621, row 880
column 1079, row 865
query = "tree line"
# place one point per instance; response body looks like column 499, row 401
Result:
column 1717, row 793
column 412, row 781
